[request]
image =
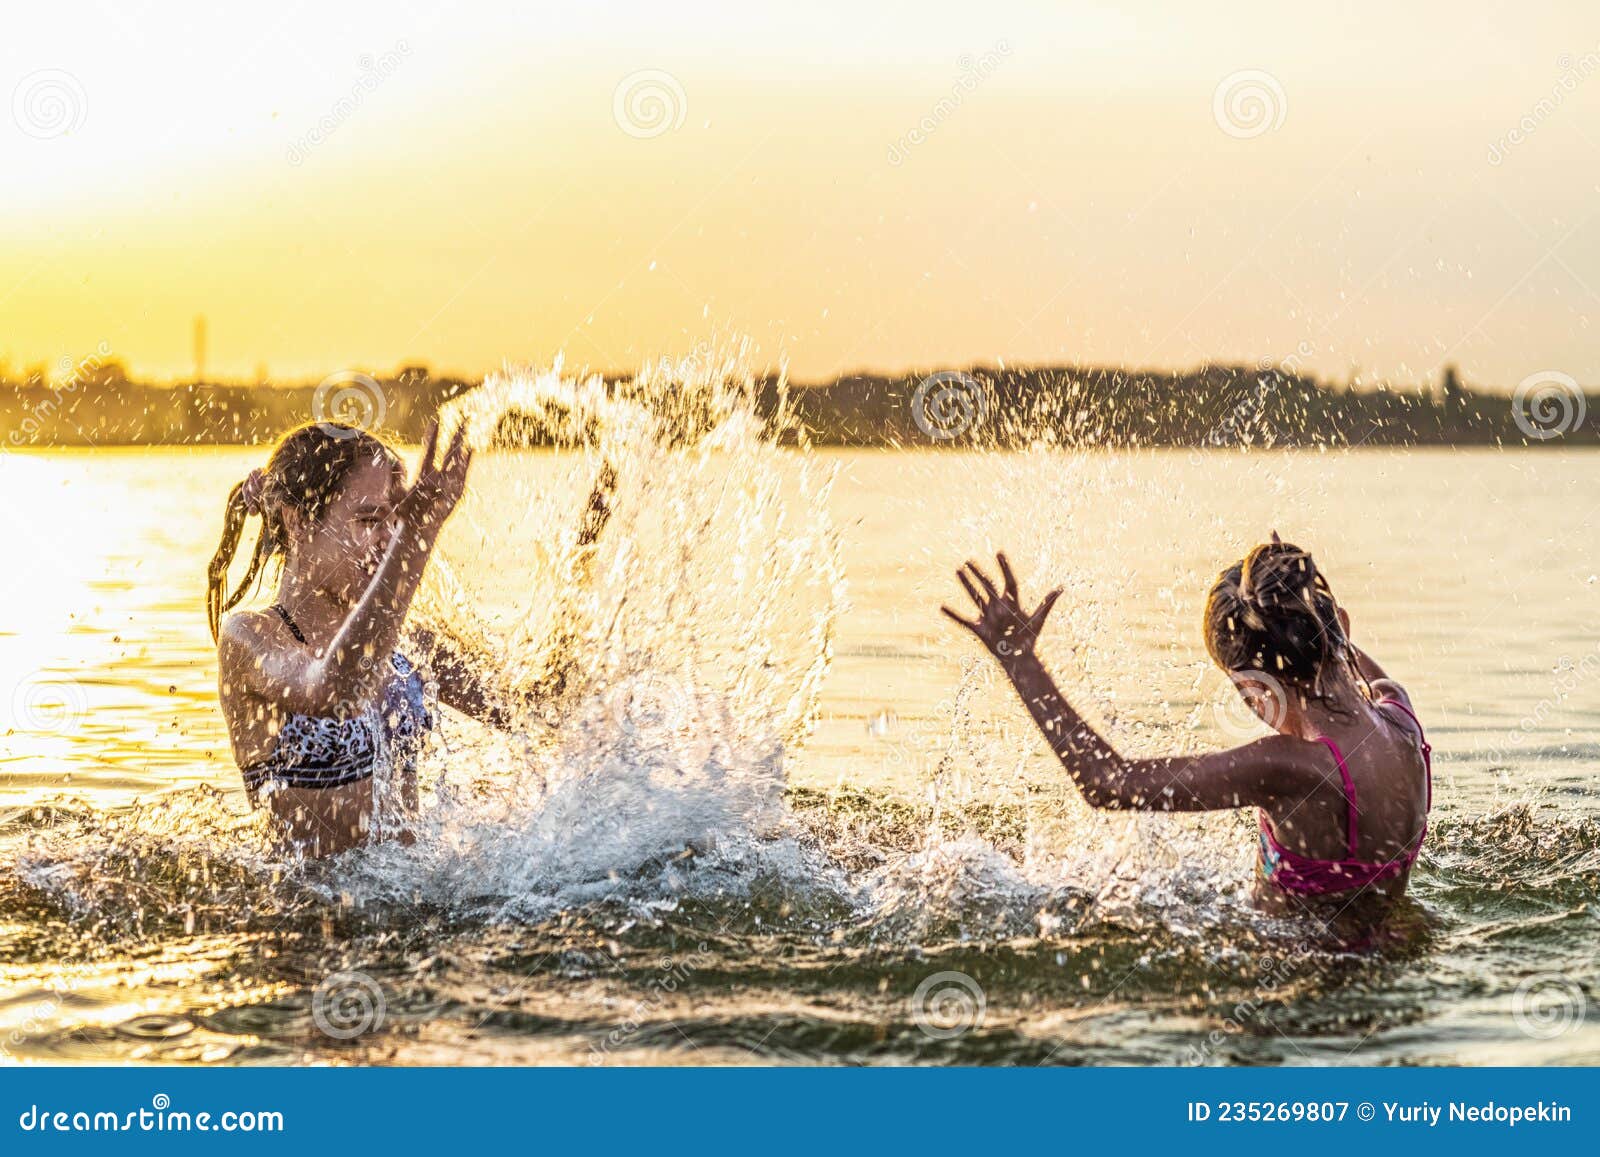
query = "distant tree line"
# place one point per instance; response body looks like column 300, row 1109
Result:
column 1215, row 406
column 96, row 404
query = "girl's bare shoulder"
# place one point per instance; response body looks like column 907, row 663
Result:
column 1388, row 689
column 249, row 634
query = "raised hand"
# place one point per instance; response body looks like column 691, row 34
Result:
column 1003, row 624
column 440, row 484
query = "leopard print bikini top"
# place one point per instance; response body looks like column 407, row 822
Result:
column 326, row 751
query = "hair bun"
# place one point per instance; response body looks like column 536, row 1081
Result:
column 1274, row 611
column 1280, row 577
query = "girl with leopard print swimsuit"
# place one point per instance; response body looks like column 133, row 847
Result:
column 322, row 708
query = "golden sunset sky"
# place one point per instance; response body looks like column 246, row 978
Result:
column 853, row 185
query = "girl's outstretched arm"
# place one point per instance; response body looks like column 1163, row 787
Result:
column 1255, row 774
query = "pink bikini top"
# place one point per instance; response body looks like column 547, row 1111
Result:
column 1305, row 876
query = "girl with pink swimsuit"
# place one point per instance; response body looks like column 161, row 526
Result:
column 1342, row 789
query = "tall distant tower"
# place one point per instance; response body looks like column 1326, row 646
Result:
column 200, row 348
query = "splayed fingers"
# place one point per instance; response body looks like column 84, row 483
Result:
column 1003, row 624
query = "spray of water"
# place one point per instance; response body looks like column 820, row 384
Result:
column 666, row 669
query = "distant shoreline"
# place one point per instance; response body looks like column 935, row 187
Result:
column 1211, row 407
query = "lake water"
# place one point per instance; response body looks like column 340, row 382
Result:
column 831, row 834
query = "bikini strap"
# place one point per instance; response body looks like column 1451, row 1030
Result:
column 288, row 621
column 1390, row 701
column 1352, row 833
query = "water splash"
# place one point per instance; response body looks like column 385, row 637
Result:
column 678, row 658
